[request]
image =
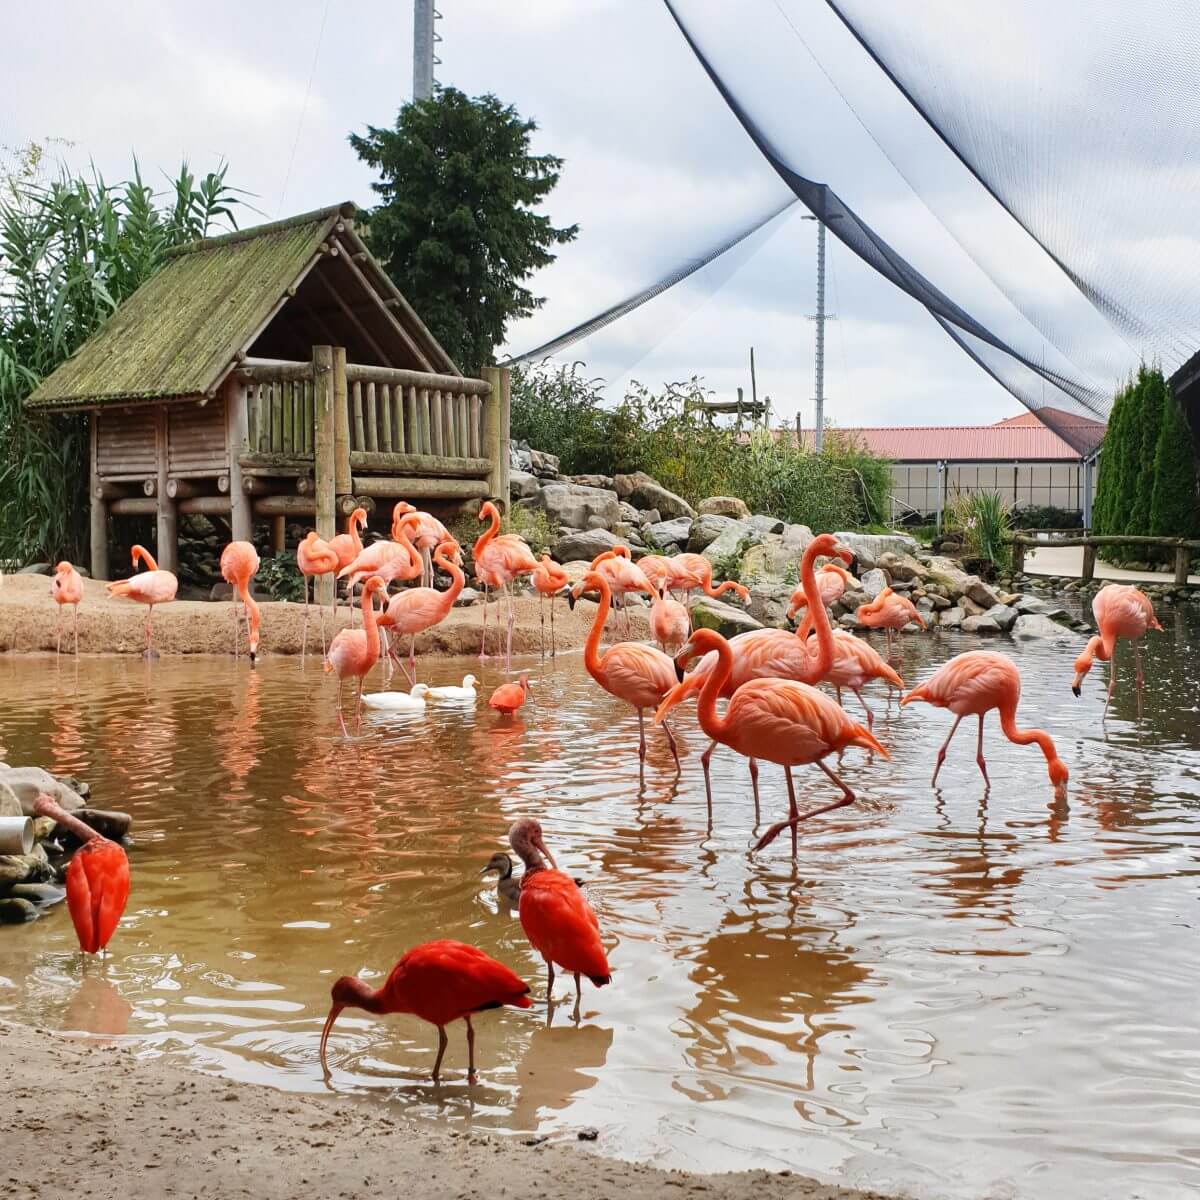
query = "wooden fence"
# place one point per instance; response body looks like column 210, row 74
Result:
column 1183, row 549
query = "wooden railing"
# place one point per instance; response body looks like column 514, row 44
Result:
column 1184, row 549
column 280, row 418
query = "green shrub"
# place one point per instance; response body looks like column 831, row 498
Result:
column 985, row 521
column 533, row 525
column 279, row 576
column 1174, row 504
column 1046, row 516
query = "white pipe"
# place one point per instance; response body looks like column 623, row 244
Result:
column 16, row 835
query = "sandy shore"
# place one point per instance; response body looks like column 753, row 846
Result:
column 86, row 1119
column 28, row 620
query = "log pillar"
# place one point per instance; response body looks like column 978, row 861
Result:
column 99, row 507
column 1183, row 558
column 1089, row 563
column 237, row 440
column 166, row 522
column 495, row 432
column 1018, row 554
column 341, row 421
column 324, row 457
column 278, row 534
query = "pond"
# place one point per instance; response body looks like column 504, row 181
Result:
column 955, row 992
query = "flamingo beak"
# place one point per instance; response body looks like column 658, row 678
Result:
column 844, row 553
column 572, row 599
column 329, row 1020
column 1077, row 690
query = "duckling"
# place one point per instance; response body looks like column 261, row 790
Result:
column 413, row 701
column 465, row 694
column 508, row 886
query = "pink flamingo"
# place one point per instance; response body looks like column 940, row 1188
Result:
column 355, row 651
column 669, row 621
column 67, row 588
column 1121, row 611
column 548, row 580
column 151, row 587
column 624, row 576
column 658, row 569
column 427, row 533
column 348, row 546
column 779, row 720
column 972, row 684
column 413, row 610
column 890, row 612
column 832, row 581
column 854, row 665
column 694, row 571
column 239, row 565
column 389, row 560
column 639, row 675
column 315, row 557
column 499, row 559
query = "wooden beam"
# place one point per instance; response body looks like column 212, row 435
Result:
column 350, row 315
column 134, row 506
column 495, row 433
column 393, row 487
column 278, row 533
column 258, row 485
column 341, row 421
column 184, row 489
column 98, row 516
column 285, row 506
column 420, row 464
column 166, row 518
column 259, row 371
column 1183, row 559
column 324, row 452
column 237, row 442
column 1089, row 564
column 362, row 373
column 209, row 506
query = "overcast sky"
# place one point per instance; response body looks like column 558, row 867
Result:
column 656, row 168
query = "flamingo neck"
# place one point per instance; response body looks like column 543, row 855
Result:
column 711, row 721
column 370, row 625
column 457, row 579
column 591, row 648
column 252, row 608
column 817, row 618
column 1024, row 737
column 142, row 555
column 352, row 528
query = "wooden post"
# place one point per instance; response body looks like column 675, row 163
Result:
column 1183, row 558
column 495, row 432
column 341, row 421
column 1089, row 563
column 237, row 440
column 325, row 457
column 1018, row 554
column 99, row 508
column 278, row 534
column 166, row 519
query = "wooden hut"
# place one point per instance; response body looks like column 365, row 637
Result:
column 275, row 372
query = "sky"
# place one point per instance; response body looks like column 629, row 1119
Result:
column 656, row 170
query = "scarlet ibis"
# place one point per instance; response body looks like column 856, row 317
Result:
column 97, row 879
column 439, row 982
column 508, row 697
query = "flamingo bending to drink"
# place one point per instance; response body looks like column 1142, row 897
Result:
column 151, row 587
column 439, row 982
column 315, row 557
column 1121, row 611
column 548, row 580
column 891, row 612
column 500, row 559
column 692, row 571
column 67, row 588
column 972, row 684
column 780, row 720
column 355, row 651
column 239, row 565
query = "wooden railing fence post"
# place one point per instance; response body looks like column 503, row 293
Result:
column 99, row 505
column 166, row 523
column 1183, row 559
column 325, row 456
column 1018, row 553
column 495, row 432
column 341, row 427
column 1089, row 563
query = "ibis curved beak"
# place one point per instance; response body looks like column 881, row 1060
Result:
column 541, row 845
column 329, row 1020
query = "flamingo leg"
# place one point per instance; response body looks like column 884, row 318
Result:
column 866, row 707
column 979, row 754
column 470, row 1048
column 58, row 643
column 754, row 786
column 427, row 581
column 321, row 617
column 705, row 762
column 578, row 997
column 483, row 642
column 341, row 711
column 542, row 616
column 412, row 657
column 358, row 709
column 641, row 736
column 941, row 756
column 512, row 616
column 235, row 627
column 75, row 627
column 671, row 743
column 437, row 1062
column 1137, row 659
column 304, row 634
column 150, row 631
column 1112, row 681
column 795, row 816
column 553, row 646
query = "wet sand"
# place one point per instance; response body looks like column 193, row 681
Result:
column 94, row 1119
column 28, row 623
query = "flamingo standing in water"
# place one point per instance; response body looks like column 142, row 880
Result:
column 891, row 612
column 414, row 610
column 1121, row 611
column 548, row 580
column 355, row 651
column 97, row 879
column 427, row 532
column 67, row 588
column 348, row 546
column 624, row 577
column 640, row 675
column 832, row 581
column 779, row 720
column 315, row 557
column 439, row 982
column 972, row 684
column 854, row 665
column 239, row 565
column 508, row 697
column 669, row 621
column 151, row 587
column 499, row 559
column 692, row 571
column 556, row 918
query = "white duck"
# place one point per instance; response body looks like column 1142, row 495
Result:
column 464, row 694
column 413, row 701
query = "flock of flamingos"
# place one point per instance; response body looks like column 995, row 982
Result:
column 769, row 677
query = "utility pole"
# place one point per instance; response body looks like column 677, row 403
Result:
column 820, row 317
column 424, row 59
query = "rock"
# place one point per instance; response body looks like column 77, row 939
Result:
column 25, row 868
column 947, row 574
column 771, row 561
column 16, row 911
column 940, row 603
column 852, row 599
column 1032, row 605
column 10, row 806
column 873, row 582
column 579, row 506
column 706, row 530
column 724, row 506
column 588, row 1135
column 769, row 601
column 925, row 605
column 113, row 825
column 671, row 533
column 577, row 569
column 596, row 481
column 970, row 607
column 766, row 524
column 868, row 547
column 796, row 538
column 36, row 569
column 980, row 624
column 732, row 542
column 584, row 543
column 1034, row 625
column 41, row 894
column 632, row 515
column 224, row 591
column 1004, row 616
column 522, row 485
column 648, row 516
column 849, row 621
column 982, row 594
column 27, row 782
column 724, row 618
column 543, row 465
column 902, row 567
column 640, row 490
column 951, row 618
column 467, row 597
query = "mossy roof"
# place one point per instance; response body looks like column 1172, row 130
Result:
column 182, row 331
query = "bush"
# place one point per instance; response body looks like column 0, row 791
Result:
column 1046, row 517
column 984, row 519
column 279, row 576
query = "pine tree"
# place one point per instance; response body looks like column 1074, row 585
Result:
column 1107, row 511
column 1154, row 393
column 1175, row 506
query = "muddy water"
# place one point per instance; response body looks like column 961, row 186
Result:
column 958, row 993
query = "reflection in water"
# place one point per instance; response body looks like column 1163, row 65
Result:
column 963, row 991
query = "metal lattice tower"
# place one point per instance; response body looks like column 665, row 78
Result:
column 820, row 317
column 425, row 37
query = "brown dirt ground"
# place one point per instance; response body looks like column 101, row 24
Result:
column 28, row 620
column 88, row 1119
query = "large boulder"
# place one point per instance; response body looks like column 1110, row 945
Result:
column 10, row 806
column 949, row 575
column 980, row 624
column 543, row 465
column 724, row 618
column 868, row 548
column 766, row 524
column 522, row 485
column 983, row 595
column 1032, row 605
column 724, row 506
column 644, row 492
column 732, row 542
column 873, row 582
column 1003, row 615
column 584, row 543
column 671, row 536
column 951, row 618
column 796, row 538
column 707, row 529
column 579, row 506
column 633, row 515
column 596, row 481
column 576, row 569
column 771, row 560
column 28, row 782
column 768, row 600
column 1031, row 626
column 902, row 567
